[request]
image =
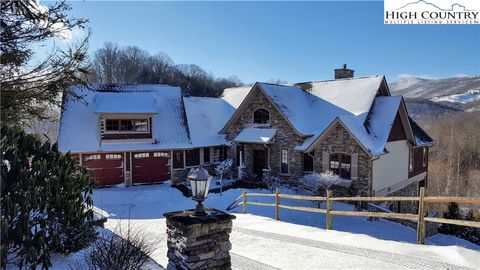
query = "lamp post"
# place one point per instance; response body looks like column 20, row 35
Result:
column 200, row 184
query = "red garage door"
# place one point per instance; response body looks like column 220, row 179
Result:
column 107, row 168
column 150, row 167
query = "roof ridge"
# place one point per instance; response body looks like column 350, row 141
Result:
column 343, row 79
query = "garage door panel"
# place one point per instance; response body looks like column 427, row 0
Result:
column 150, row 167
column 106, row 171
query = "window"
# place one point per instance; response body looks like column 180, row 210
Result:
column 112, row 125
column 161, row 154
column 92, row 157
column 206, row 155
column 239, row 155
column 308, row 161
column 141, row 155
column 261, row 116
column 217, row 154
column 341, row 165
column 425, row 156
column 284, row 161
column 410, row 160
column 192, row 157
column 126, row 125
column 113, row 156
column 178, row 159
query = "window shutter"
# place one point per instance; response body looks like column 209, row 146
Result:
column 354, row 168
column 325, row 161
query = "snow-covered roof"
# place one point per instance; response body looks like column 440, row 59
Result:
column 354, row 95
column 206, row 117
column 235, row 95
column 79, row 124
column 256, row 135
column 128, row 102
column 421, row 137
column 371, row 133
column 312, row 107
column 308, row 114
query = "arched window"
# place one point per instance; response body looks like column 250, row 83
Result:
column 261, row 116
column 340, row 164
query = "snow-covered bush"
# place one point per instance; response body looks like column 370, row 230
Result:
column 315, row 181
column 272, row 182
column 224, row 168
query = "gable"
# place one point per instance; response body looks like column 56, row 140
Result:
column 256, row 98
column 397, row 133
column 334, row 127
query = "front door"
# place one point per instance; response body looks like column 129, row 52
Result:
column 260, row 158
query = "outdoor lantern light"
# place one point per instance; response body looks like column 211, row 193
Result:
column 200, row 183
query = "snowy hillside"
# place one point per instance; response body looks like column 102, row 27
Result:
column 411, row 87
column 431, row 98
column 298, row 241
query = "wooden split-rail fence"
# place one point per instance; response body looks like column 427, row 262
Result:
column 420, row 217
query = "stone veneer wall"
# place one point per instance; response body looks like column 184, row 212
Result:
column 340, row 141
column 180, row 175
column 411, row 190
column 199, row 243
column 406, row 207
column 285, row 138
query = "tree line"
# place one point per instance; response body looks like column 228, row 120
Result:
column 131, row 64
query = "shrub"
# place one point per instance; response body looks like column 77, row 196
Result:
column 224, row 168
column 46, row 201
column 129, row 251
column 468, row 233
column 272, row 182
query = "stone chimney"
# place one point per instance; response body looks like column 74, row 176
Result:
column 342, row 73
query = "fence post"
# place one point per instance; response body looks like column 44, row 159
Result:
column 421, row 218
column 244, row 204
column 277, row 203
column 329, row 208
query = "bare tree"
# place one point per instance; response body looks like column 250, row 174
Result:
column 27, row 91
column 134, row 65
column 106, row 63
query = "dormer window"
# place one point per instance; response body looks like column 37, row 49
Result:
column 126, row 125
column 261, row 116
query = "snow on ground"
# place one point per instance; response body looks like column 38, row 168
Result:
column 298, row 241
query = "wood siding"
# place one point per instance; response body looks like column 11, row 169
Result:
column 418, row 167
column 397, row 132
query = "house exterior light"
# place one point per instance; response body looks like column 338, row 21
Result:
column 200, row 184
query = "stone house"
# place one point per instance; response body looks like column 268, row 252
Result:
column 350, row 126
column 353, row 127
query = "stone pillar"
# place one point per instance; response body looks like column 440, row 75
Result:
column 199, row 242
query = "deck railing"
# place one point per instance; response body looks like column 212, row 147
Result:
column 329, row 199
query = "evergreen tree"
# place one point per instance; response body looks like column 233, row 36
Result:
column 46, row 201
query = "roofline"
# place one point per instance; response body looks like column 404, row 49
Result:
column 409, row 125
column 343, row 79
column 241, row 108
column 337, row 120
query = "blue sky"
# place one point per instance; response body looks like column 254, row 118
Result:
column 292, row 41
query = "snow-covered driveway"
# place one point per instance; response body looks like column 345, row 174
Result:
column 263, row 243
column 260, row 242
